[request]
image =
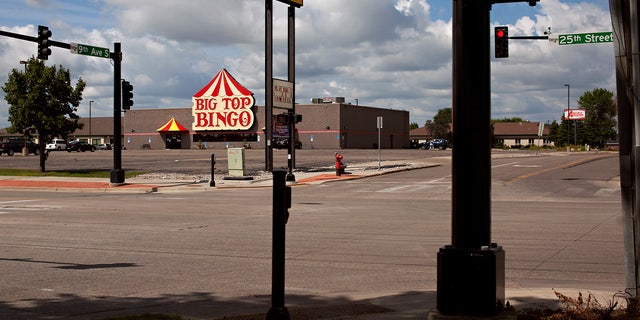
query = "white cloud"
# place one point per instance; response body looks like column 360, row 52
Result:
column 387, row 53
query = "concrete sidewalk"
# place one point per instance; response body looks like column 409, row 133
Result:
column 171, row 183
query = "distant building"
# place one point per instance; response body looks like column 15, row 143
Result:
column 507, row 134
column 323, row 126
column 520, row 134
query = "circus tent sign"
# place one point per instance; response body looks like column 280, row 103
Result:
column 223, row 104
column 172, row 126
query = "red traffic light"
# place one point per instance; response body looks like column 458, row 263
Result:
column 501, row 41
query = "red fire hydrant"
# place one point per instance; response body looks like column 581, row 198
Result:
column 339, row 165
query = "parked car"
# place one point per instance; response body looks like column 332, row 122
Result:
column 283, row 143
column 80, row 146
column 103, row 146
column 56, row 144
column 441, row 144
column 13, row 145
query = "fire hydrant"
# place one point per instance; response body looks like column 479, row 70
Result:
column 339, row 165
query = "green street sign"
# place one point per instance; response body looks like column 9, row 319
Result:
column 585, row 38
column 87, row 50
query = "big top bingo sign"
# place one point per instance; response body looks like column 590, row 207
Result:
column 223, row 104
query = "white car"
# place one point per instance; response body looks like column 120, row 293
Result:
column 56, row 144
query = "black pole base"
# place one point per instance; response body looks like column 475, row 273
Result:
column 278, row 314
column 117, row 176
column 290, row 177
column 471, row 281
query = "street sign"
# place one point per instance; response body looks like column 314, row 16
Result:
column 282, row 94
column 585, row 38
column 297, row 3
column 87, row 50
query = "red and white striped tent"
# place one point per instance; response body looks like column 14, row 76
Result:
column 172, row 126
column 223, row 84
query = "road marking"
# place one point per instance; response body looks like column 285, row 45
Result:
column 395, row 188
column 504, row 165
column 16, row 201
column 562, row 166
column 527, row 166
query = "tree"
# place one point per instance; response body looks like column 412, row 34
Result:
column 514, row 119
column 42, row 103
column 600, row 123
column 441, row 125
column 413, row 125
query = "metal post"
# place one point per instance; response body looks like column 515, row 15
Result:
column 90, row 136
column 291, row 159
column 212, row 183
column 568, row 120
column 278, row 311
column 268, row 83
column 117, row 174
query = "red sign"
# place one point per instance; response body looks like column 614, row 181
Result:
column 223, row 104
column 575, row 114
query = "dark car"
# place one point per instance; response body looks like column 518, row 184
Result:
column 80, row 146
column 283, row 143
column 441, row 144
column 13, row 145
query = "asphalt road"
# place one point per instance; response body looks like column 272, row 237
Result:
column 208, row 254
column 195, row 161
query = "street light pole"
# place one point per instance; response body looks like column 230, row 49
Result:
column 25, row 64
column 90, row 136
column 568, row 112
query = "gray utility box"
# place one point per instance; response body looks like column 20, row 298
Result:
column 235, row 157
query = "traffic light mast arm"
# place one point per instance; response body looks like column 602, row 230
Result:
column 34, row 39
column 530, row 37
column 531, row 2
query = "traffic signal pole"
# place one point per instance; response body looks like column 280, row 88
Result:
column 471, row 264
column 117, row 174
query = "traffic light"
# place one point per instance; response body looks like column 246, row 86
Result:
column 43, row 43
column 501, row 42
column 282, row 118
column 127, row 95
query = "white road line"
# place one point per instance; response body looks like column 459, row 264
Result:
column 504, row 165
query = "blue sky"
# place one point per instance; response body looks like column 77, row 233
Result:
column 385, row 53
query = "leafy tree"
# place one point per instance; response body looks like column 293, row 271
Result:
column 599, row 126
column 42, row 103
column 601, row 112
column 556, row 134
column 413, row 125
column 514, row 119
column 441, row 125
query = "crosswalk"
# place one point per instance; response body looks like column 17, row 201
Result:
column 441, row 184
column 12, row 206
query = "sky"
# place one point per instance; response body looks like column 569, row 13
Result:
column 381, row 53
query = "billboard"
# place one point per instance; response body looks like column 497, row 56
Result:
column 223, row 104
column 575, row 114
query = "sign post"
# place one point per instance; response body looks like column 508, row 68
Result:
column 379, row 126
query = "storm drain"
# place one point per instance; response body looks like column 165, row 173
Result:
column 322, row 312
